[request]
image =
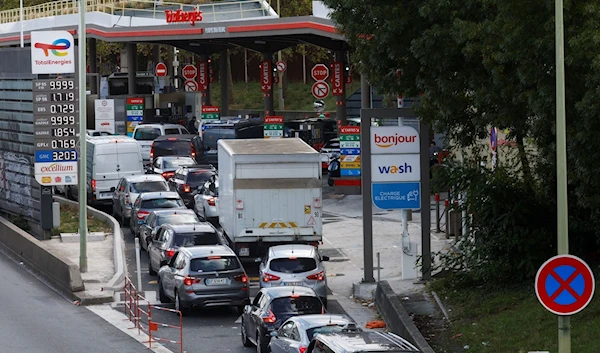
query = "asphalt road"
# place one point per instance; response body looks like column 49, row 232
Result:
column 35, row 319
column 206, row 330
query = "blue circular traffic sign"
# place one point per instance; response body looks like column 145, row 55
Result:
column 564, row 285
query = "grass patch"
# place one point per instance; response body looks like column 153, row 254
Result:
column 69, row 222
column 508, row 320
column 297, row 97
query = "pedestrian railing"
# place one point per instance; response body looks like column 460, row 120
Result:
column 212, row 11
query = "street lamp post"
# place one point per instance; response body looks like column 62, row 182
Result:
column 82, row 143
column 564, row 322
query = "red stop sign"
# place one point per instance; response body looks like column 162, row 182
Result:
column 161, row 70
column 319, row 72
column 189, row 72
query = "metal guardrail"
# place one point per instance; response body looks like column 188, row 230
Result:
column 141, row 8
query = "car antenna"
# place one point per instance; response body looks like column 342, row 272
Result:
column 330, row 319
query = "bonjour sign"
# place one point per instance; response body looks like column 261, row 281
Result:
column 183, row 16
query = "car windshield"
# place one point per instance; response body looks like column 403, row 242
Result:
column 146, row 134
column 302, row 305
column 196, row 179
column 162, row 203
column 214, row 264
column 176, row 163
column 323, row 329
column 149, row 186
column 293, row 265
column 196, row 238
column 178, row 219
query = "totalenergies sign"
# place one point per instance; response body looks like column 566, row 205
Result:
column 52, row 52
column 183, row 16
column 394, row 140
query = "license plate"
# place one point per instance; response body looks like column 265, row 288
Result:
column 245, row 252
column 294, row 284
column 106, row 194
column 211, row 152
column 217, row 281
column 140, row 222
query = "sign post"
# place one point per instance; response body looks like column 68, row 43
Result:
column 350, row 162
column 161, row 70
column 273, row 127
column 319, row 72
column 105, row 115
column 135, row 114
column 210, row 113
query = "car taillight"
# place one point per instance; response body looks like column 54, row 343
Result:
column 241, row 278
column 188, row 281
column 317, row 276
column 141, row 215
column 127, row 200
column 267, row 277
column 186, row 188
column 193, row 151
column 270, row 318
column 169, row 253
column 302, row 349
column 168, row 175
column 211, row 201
column 93, row 185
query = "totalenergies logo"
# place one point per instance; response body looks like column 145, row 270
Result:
column 58, row 47
column 386, row 141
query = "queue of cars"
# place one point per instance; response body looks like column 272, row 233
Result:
column 167, row 204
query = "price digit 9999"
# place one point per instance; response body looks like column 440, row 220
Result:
column 62, row 120
column 62, row 84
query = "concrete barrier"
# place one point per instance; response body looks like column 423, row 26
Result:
column 61, row 273
column 118, row 280
column 397, row 318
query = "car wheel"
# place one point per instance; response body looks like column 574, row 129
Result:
column 68, row 193
column 240, row 309
column 123, row 220
column 245, row 340
column 261, row 347
column 150, row 269
column 162, row 297
column 179, row 305
column 330, row 181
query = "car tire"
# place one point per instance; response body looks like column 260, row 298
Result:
column 68, row 193
column 162, row 297
column 245, row 340
column 261, row 347
column 150, row 269
column 240, row 309
column 330, row 181
column 179, row 305
column 123, row 219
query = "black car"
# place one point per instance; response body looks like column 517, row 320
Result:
column 188, row 179
column 170, row 237
column 178, row 145
column 271, row 308
column 212, row 133
column 357, row 341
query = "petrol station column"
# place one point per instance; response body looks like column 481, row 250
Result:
column 266, row 82
column 338, row 83
column 93, row 65
column 223, row 75
column 131, row 68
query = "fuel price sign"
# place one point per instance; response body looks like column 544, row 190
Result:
column 56, row 128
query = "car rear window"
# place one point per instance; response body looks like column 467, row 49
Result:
column 146, row 134
column 161, row 203
column 195, row 179
column 196, row 238
column 172, row 132
column 172, row 148
column 176, row 163
column 214, row 263
column 178, row 219
column 302, row 305
column 293, row 265
column 149, row 186
column 323, row 329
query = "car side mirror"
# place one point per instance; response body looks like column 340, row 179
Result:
column 324, row 258
column 274, row 334
column 164, row 263
column 113, row 189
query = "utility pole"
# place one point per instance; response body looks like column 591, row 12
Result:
column 83, row 228
column 564, row 322
column 280, row 74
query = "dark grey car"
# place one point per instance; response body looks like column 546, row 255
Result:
column 170, row 237
column 203, row 276
column 152, row 201
column 160, row 217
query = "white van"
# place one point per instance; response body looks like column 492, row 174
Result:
column 109, row 158
column 145, row 133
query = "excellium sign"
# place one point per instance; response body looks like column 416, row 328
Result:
column 52, row 52
column 394, row 139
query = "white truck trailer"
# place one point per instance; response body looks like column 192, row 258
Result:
column 270, row 193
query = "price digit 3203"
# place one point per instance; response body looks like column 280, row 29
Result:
column 62, row 120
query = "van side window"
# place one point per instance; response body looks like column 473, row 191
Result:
column 171, row 131
column 184, row 131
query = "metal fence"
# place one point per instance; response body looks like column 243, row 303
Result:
column 19, row 192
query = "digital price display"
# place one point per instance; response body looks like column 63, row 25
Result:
column 56, row 130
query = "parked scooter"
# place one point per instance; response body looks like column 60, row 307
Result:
column 334, row 168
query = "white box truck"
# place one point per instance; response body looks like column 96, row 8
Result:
column 269, row 194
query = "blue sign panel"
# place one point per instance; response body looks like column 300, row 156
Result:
column 135, row 118
column 349, row 172
column 390, row 196
column 43, row 156
column 350, row 151
column 56, row 156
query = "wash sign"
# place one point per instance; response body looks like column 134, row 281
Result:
column 395, row 167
